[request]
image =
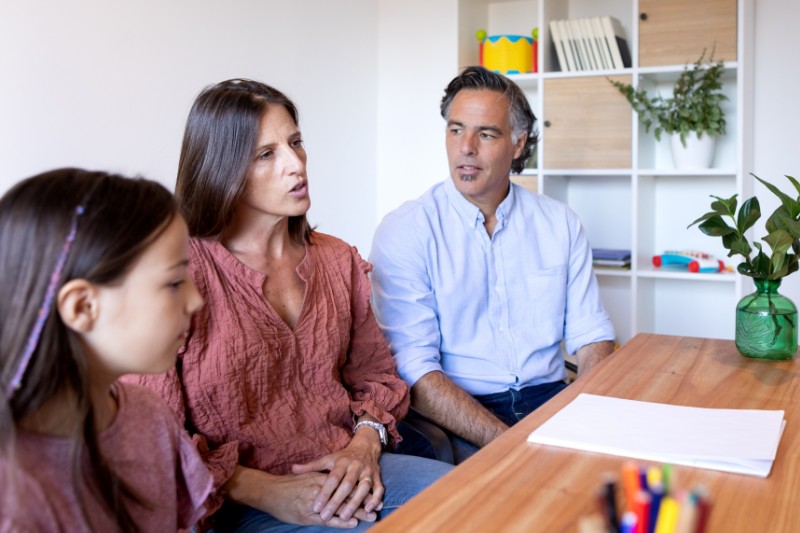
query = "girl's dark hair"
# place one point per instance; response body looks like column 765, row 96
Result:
column 520, row 117
column 121, row 217
column 218, row 145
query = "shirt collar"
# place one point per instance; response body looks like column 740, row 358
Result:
column 470, row 213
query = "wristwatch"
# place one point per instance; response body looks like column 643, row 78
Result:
column 380, row 428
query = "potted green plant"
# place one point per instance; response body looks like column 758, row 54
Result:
column 766, row 322
column 692, row 116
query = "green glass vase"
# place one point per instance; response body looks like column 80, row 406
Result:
column 766, row 323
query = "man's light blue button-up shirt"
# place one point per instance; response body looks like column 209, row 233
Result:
column 488, row 311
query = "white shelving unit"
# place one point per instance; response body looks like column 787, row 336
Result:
column 646, row 204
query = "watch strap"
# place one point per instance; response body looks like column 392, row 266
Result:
column 377, row 426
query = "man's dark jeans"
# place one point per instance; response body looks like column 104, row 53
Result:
column 510, row 406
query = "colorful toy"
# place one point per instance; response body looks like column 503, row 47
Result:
column 481, row 36
column 692, row 260
column 505, row 54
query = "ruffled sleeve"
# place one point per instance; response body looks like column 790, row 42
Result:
column 194, row 484
column 221, row 462
column 370, row 371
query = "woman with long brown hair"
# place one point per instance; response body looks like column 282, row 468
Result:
column 286, row 381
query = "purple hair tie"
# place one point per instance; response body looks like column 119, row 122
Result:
column 44, row 310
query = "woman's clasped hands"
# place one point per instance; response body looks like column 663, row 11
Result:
column 352, row 488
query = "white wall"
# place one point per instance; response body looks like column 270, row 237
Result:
column 416, row 60
column 776, row 151
column 108, row 84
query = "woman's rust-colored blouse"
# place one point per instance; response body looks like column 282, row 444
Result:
column 254, row 392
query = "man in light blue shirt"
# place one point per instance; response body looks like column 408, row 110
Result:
column 477, row 283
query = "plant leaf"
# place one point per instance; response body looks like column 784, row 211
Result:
column 780, row 266
column 793, row 264
column 725, row 206
column 781, row 219
column 796, row 185
column 791, row 205
column 749, row 213
column 780, row 241
column 737, row 244
column 744, row 269
column 761, row 264
column 702, row 218
column 716, row 227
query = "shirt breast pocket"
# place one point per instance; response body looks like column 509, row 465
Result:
column 544, row 303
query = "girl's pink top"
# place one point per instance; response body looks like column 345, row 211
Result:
column 145, row 446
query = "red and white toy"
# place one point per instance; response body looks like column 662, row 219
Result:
column 693, row 260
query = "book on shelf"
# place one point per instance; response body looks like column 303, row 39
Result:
column 607, row 263
column 600, row 42
column 591, row 47
column 573, row 59
column 611, row 257
column 580, row 39
column 558, row 44
column 593, row 43
column 615, row 40
column 594, row 51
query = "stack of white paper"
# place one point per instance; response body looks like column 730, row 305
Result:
column 743, row 441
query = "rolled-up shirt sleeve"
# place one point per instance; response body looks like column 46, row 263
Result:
column 403, row 297
column 586, row 321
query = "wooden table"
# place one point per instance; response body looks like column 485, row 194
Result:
column 513, row 485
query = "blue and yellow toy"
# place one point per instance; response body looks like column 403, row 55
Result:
column 507, row 54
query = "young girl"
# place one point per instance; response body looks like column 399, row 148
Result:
column 93, row 285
